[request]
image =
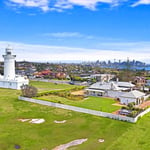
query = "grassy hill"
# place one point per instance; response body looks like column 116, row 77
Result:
column 118, row 135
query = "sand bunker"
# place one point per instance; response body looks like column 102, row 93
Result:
column 36, row 121
column 72, row 143
column 60, row 121
column 23, row 120
column 101, row 140
column 81, row 92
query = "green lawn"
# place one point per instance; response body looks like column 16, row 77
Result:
column 48, row 135
column 95, row 103
column 118, row 135
column 46, row 86
column 147, row 78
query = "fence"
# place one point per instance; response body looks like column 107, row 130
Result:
column 84, row 110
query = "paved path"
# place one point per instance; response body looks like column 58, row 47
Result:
column 145, row 104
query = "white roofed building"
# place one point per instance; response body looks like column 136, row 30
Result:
column 133, row 96
column 110, row 89
column 102, row 77
column 123, row 91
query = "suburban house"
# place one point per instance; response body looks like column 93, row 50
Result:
column 123, row 91
column 102, row 77
column 110, row 89
column 133, row 96
column 99, row 77
column 140, row 81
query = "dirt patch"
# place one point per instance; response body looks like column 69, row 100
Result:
column 63, row 121
column 101, row 140
column 72, row 143
column 116, row 112
column 24, row 120
column 36, row 121
column 81, row 92
column 144, row 104
column 118, row 104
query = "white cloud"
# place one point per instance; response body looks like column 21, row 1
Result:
column 68, row 35
column 141, row 2
column 90, row 4
column 31, row 52
column 60, row 5
column 64, row 34
column 42, row 4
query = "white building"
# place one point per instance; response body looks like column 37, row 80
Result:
column 123, row 91
column 10, row 79
column 102, row 77
column 110, row 89
column 147, row 83
column 133, row 96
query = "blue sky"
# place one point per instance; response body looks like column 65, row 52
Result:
column 60, row 30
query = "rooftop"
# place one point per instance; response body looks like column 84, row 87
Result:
column 112, row 85
column 133, row 94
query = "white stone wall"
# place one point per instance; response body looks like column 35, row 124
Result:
column 7, row 84
column 141, row 114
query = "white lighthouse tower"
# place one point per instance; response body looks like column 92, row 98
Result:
column 10, row 79
column 9, row 64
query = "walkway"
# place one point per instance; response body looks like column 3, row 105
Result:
column 144, row 104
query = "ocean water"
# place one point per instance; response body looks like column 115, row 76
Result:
column 147, row 68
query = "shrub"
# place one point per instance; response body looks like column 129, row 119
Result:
column 28, row 91
column 131, row 106
column 123, row 107
column 60, row 102
column 133, row 113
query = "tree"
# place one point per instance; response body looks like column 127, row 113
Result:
column 131, row 105
column 29, row 91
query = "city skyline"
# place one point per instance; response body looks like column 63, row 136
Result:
column 76, row 29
